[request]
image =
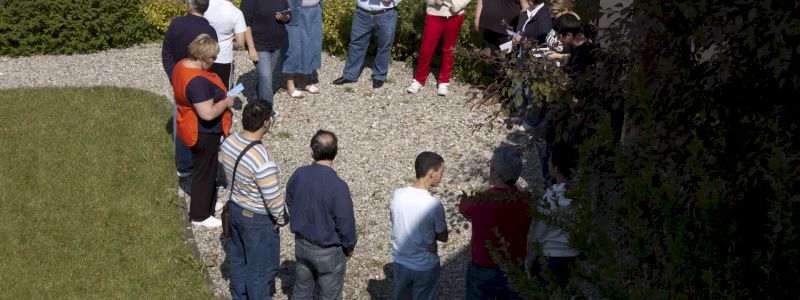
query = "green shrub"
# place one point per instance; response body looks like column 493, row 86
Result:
column 160, row 12
column 57, row 27
column 693, row 190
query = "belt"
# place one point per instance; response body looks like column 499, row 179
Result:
column 298, row 236
column 376, row 11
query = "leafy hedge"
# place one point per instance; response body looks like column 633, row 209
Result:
column 693, row 190
column 68, row 26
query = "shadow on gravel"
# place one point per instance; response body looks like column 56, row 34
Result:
column 451, row 279
column 286, row 274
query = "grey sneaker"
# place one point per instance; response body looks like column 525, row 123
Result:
column 415, row 87
column 442, row 89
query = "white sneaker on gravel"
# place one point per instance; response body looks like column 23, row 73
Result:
column 219, row 205
column 415, row 87
column 211, row 222
column 442, row 89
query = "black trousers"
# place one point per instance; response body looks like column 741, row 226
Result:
column 493, row 40
column 225, row 72
column 204, row 175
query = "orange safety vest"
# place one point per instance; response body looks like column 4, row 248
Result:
column 187, row 116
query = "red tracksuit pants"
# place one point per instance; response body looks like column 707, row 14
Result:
column 437, row 28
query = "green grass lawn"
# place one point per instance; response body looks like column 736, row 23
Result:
column 87, row 193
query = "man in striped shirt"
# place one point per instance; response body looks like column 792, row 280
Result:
column 256, row 206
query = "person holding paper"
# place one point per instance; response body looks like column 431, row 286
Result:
column 204, row 116
column 493, row 18
column 442, row 21
column 536, row 25
column 304, row 49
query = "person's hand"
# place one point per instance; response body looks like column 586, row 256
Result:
column 229, row 101
column 476, row 26
column 516, row 39
column 453, row 9
column 253, row 55
column 433, row 248
column 276, row 227
column 438, row 2
column 348, row 253
column 283, row 17
column 387, row 2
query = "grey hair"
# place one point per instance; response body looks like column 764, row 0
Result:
column 507, row 164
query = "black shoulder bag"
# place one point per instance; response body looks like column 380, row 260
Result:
column 226, row 217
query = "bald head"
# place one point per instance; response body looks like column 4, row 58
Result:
column 324, row 145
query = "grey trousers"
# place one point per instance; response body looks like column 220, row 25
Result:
column 316, row 265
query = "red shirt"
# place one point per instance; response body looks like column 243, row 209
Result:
column 510, row 217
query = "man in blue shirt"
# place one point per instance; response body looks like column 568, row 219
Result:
column 379, row 16
column 181, row 32
column 321, row 217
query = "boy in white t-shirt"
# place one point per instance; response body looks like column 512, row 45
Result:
column 418, row 221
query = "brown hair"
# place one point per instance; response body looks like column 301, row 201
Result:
column 203, row 47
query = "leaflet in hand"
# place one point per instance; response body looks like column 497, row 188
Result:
column 511, row 33
column 506, row 47
column 236, row 90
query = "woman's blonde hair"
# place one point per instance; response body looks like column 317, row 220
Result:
column 203, row 47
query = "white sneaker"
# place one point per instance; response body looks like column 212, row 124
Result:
column 415, row 87
column 211, row 222
column 442, row 89
column 219, row 205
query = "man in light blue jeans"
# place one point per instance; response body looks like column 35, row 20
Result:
column 379, row 16
column 267, row 61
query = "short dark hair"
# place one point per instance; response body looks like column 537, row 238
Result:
column 200, row 6
column 255, row 113
column 427, row 161
column 567, row 23
column 564, row 158
column 324, row 145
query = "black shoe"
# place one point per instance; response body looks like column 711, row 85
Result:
column 376, row 84
column 341, row 81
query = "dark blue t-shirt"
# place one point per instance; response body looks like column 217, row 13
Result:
column 200, row 90
column 181, row 32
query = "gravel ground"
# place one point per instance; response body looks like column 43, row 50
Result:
column 380, row 133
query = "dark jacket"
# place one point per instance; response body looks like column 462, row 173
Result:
column 537, row 27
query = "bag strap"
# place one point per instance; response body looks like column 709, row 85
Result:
column 236, row 165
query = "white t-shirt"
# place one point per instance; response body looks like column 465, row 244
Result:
column 227, row 20
column 416, row 217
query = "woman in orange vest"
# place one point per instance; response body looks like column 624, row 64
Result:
column 203, row 117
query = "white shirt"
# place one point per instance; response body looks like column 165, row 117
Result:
column 416, row 217
column 227, row 20
column 554, row 240
column 375, row 4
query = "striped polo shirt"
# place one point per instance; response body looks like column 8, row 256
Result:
column 257, row 182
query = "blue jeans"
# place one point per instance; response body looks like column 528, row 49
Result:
column 488, row 283
column 183, row 156
column 325, row 266
column 364, row 24
column 254, row 254
column 411, row 284
column 267, row 62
